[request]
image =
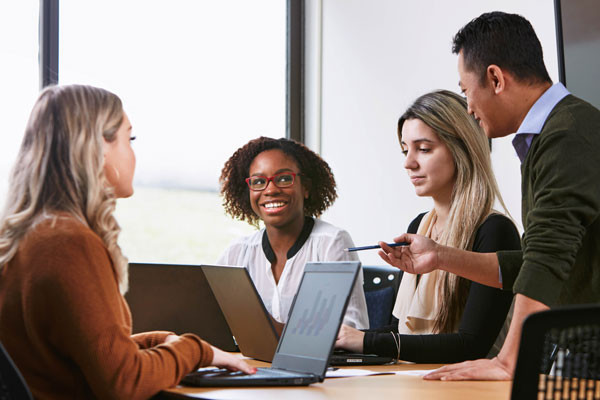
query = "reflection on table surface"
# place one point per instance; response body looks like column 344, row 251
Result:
column 362, row 387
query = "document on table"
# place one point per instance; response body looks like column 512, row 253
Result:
column 415, row 372
column 347, row 373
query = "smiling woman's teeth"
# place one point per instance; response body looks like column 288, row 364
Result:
column 274, row 205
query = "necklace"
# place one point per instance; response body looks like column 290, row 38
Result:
column 435, row 234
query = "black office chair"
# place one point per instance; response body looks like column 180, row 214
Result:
column 380, row 286
column 559, row 355
column 12, row 383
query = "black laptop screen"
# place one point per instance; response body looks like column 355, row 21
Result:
column 316, row 314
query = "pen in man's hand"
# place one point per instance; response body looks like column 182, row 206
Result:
column 376, row 246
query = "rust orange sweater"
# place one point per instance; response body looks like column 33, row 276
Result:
column 68, row 329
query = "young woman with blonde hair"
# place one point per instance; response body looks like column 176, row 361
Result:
column 442, row 317
column 63, row 318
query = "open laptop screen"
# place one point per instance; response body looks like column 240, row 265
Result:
column 316, row 314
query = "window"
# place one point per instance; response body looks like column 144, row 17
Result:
column 20, row 76
column 198, row 79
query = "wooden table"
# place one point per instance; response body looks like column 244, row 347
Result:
column 365, row 387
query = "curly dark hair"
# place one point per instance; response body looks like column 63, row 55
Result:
column 316, row 177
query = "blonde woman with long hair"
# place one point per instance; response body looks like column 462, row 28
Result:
column 63, row 318
column 440, row 317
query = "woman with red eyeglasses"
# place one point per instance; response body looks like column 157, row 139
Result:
column 286, row 186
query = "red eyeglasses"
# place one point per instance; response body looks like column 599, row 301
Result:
column 283, row 180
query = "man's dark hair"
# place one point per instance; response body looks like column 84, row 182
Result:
column 506, row 40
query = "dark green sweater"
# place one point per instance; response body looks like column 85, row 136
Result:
column 560, row 260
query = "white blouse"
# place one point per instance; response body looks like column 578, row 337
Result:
column 325, row 243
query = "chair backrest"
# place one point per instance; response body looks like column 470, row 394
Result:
column 559, row 354
column 381, row 286
column 12, row 383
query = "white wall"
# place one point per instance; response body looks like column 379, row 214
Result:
column 367, row 61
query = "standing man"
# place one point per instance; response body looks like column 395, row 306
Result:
column 508, row 90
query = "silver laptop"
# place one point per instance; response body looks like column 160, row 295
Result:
column 252, row 325
column 308, row 338
column 176, row 298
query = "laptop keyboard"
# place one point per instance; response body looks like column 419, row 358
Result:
column 224, row 373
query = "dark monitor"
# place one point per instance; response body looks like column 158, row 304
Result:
column 578, row 43
column 176, row 298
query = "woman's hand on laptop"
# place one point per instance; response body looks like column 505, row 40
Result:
column 223, row 359
column 350, row 339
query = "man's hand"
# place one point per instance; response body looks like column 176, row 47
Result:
column 477, row 370
column 419, row 257
column 423, row 255
column 499, row 368
column 350, row 339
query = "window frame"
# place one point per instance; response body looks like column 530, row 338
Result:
column 295, row 59
column 48, row 42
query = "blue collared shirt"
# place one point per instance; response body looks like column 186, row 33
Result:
column 536, row 117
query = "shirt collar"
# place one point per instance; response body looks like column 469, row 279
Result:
column 307, row 228
column 538, row 113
